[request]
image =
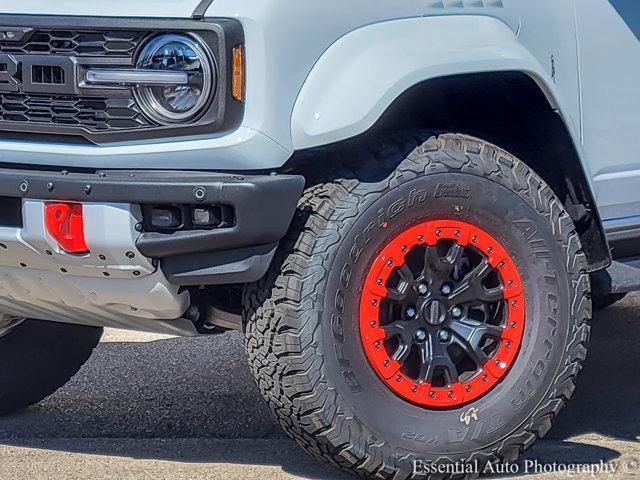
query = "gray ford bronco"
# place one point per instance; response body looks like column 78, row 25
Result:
column 408, row 207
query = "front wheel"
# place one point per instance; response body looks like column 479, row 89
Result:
column 38, row 357
column 429, row 308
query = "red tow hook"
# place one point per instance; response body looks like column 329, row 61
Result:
column 65, row 223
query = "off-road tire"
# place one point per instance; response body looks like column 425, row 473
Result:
column 38, row 357
column 301, row 332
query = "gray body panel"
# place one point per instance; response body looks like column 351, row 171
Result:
column 608, row 33
column 319, row 72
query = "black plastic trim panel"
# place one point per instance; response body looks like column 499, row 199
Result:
column 242, row 265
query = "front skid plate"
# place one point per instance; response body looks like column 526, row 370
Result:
column 113, row 285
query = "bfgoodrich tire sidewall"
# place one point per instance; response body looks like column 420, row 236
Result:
column 527, row 236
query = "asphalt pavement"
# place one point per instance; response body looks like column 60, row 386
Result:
column 153, row 407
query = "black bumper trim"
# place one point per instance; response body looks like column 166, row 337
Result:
column 623, row 236
column 264, row 204
column 242, row 265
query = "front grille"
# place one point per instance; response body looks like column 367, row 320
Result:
column 58, row 109
column 76, row 43
column 94, row 114
column 45, row 96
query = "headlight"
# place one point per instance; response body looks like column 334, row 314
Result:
column 182, row 100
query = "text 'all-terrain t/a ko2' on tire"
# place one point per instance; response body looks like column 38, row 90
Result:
column 428, row 308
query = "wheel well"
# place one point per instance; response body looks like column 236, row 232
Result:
column 510, row 110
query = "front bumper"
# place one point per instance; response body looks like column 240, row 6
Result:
column 131, row 275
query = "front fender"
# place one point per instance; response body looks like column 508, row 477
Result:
column 363, row 72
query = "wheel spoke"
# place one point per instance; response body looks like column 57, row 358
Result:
column 398, row 294
column 403, row 290
column 433, row 263
column 399, row 328
column 402, row 352
column 434, row 356
column 405, row 274
column 480, row 272
column 469, row 334
column 471, row 288
column 494, row 315
column 491, row 295
column 454, row 254
column 490, row 315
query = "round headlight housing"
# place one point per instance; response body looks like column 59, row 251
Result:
column 174, row 102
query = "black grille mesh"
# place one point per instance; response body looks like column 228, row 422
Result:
column 94, row 114
column 78, row 43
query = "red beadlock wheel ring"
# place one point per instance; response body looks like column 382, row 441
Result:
column 444, row 308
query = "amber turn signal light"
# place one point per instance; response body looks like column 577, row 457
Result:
column 237, row 74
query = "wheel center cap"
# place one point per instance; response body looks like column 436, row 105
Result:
column 434, row 312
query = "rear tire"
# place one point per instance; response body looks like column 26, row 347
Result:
column 304, row 339
column 38, row 357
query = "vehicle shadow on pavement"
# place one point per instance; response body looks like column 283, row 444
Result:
column 194, row 400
